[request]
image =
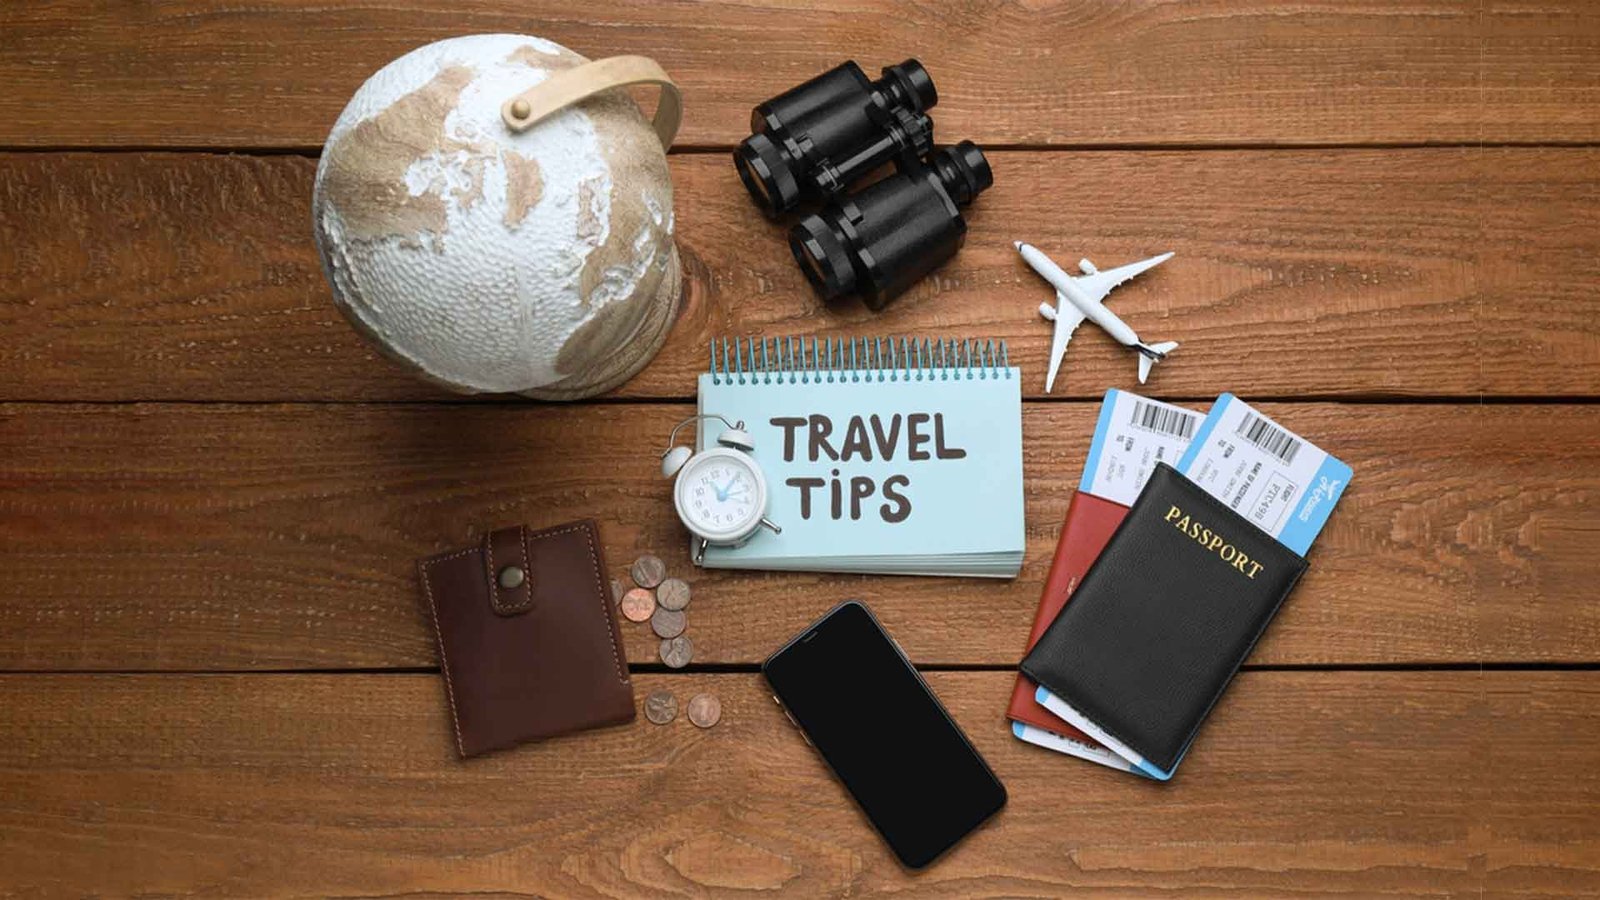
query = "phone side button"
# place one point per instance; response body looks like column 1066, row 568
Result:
column 803, row 736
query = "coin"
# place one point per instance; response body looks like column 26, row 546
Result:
column 673, row 594
column 705, row 710
column 648, row 571
column 676, row 652
column 661, row 707
column 668, row 623
column 616, row 591
column 637, row 604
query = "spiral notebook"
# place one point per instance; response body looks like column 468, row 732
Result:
column 883, row 455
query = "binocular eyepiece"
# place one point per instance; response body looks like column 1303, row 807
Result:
column 882, row 240
column 812, row 141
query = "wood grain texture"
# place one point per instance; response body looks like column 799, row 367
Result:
column 171, row 570
column 1303, row 783
column 1441, row 272
column 204, row 537
column 190, row 74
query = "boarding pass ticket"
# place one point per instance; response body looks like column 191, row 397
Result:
column 1284, row 484
column 1133, row 434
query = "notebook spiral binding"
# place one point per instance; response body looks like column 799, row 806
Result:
column 798, row 360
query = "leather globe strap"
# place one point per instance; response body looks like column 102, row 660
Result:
column 568, row 86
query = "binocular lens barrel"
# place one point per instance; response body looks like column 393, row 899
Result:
column 883, row 239
column 814, row 139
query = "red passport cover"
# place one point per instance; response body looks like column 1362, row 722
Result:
column 1090, row 523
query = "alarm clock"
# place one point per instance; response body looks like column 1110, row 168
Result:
column 720, row 493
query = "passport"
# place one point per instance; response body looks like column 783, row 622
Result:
column 1131, row 435
column 1090, row 523
column 1161, row 622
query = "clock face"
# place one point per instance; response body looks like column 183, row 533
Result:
column 721, row 495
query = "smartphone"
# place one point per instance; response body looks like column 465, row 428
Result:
column 857, row 699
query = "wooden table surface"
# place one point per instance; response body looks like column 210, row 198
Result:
column 217, row 679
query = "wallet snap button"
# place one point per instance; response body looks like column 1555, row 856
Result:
column 511, row 577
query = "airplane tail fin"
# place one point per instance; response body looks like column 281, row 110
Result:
column 1146, row 363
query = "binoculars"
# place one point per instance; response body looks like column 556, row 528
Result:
column 812, row 142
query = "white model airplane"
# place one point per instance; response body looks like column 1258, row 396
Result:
column 1079, row 297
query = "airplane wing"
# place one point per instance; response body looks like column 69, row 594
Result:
column 1098, row 285
column 1067, row 320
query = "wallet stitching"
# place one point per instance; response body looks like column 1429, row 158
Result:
column 527, row 569
column 600, row 592
column 605, row 607
column 488, row 571
column 444, row 659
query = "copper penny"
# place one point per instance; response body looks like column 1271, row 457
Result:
column 668, row 623
column 661, row 707
column 673, row 594
column 637, row 604
column 648, row 571
column 705, row 710
column 676, row 652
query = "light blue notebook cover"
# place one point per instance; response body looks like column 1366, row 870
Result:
column 917, row 446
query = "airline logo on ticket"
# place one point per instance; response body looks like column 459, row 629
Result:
column 1133, row 434
column 1284, row 484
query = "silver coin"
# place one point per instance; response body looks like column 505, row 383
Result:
column 673, row 594
column 668, row 623
column 616, row 591
column 648, row 571
column 705, row 710
column 661, row 707
column 676, row 652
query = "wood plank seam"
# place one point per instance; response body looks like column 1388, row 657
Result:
column 122, row 286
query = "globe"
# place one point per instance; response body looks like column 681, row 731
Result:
column 486, row 260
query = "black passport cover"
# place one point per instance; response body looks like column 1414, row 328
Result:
column 1164, row 617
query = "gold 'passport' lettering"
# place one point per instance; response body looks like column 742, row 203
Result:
column 1213, row 542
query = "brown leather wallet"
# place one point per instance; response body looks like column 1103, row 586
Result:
column 528, row 637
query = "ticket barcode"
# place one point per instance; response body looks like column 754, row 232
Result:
column 1279, row 481
column 1163, row 419
column 1269, row 437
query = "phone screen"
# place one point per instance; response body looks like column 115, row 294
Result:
column 884, row 734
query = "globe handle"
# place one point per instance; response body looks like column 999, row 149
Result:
column 568, row 86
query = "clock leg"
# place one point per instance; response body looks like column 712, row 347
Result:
column 699, row 551
column 769, row 523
